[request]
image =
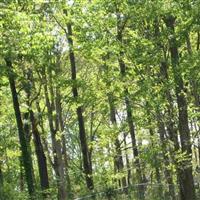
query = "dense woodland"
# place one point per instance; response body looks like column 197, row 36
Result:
column 100, row 99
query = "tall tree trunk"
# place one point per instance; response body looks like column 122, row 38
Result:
column 25, row 118
column 56, row 146
column 118, row 158
column 82, row 133
column 156, row 164
column 27, row 160
column 164, row 78
column 172, row 131
column 167, row 172
column 127, row 161
column 187, row 189
column 170, row 119
column 195, row 92
column 41, row 158
column 64, row 149
column 129, row 111
column 29, row 116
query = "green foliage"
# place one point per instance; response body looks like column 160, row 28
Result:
column 35, row 37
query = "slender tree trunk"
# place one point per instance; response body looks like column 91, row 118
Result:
column 167, row 172
column 170, row 120
column 195, row 93
column 164, row 78
column 41, row 158
column 25, row 118
column 127, row 162
column 44, row 142
column 29, row 116
column 140, row 175
column 129, row 112
column 82, row 133
column 57, row 149
column 193, row 82
column 156, row 164
column 27, row 161
column 172, row 131
column 187, row 189
column 170, row 127
column 118, row 158
column 64, row 149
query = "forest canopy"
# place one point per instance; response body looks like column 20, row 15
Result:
column 99, row 99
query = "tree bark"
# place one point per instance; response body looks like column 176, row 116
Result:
column 127, row 162
column 82, row 133
column 56, row 146
column 167, row 172
column 41, row 158
column 129, row 111
column 27, row 160
column 187, row 189
column 118, row 157
column 63, row 140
